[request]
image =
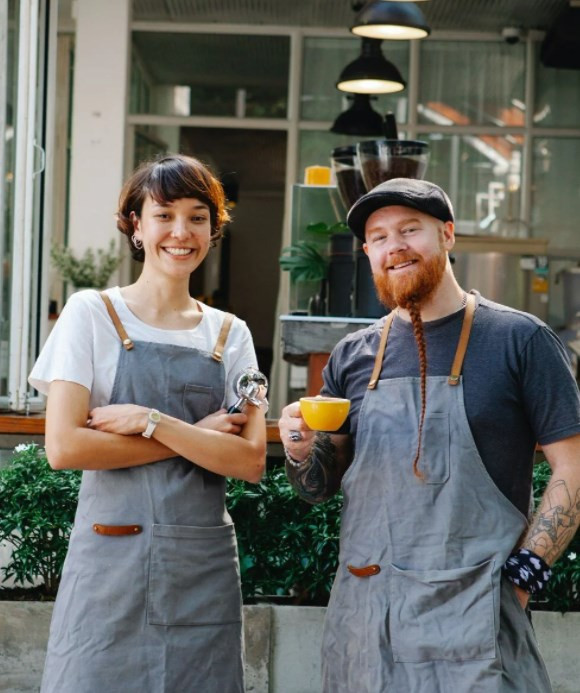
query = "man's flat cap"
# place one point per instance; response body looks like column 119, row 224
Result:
column 421, row 195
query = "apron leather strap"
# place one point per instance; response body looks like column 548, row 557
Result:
column 459, row 354
column 222, row 337
column 381, row 352
column 125, row 339
column 463, row 339
column 364, row 571
column 117, row 530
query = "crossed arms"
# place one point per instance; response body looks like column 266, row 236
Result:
column 228, row 444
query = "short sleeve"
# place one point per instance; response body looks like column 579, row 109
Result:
column 240, row 354
column 551, row 393
column 331, row 385
column 68, row 351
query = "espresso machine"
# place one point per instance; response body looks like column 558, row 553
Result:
column 357, row 168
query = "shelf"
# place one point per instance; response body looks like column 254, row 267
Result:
column 499, row 244
column 303, row 335
column 15, row 423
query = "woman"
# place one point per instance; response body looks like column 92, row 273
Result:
column 138, row 379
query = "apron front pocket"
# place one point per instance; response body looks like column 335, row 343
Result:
column 442, row 614
column 193, row 576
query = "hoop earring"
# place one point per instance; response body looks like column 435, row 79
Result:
column 136, row 242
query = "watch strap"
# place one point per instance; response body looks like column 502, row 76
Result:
column 152, row 421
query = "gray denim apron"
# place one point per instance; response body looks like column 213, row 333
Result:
column 419, row 604
column 149, row 600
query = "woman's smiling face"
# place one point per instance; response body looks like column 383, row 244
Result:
column 175, row 235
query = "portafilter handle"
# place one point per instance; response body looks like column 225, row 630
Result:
column 251, row 385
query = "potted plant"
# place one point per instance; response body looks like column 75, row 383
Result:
column 307, row 261
column 91, row 270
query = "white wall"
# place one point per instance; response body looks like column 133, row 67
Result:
column 98, row 120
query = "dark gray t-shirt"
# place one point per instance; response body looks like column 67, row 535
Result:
column 517, row 380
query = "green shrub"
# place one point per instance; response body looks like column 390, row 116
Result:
column 287, row 547
column 38, row 508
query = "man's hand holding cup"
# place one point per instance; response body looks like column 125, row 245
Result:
column 300, row 420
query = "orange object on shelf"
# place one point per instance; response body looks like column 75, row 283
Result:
column 317, row 175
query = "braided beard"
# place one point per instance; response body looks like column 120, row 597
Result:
column 409, row 291
column 413, row 287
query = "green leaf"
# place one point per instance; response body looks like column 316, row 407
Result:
column 318, row 228
column 304, row 262
column 38, row 508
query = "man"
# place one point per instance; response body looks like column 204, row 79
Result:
column 437, row 555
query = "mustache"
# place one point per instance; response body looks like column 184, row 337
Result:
column 399, row 258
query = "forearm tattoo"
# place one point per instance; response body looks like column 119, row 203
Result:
column 319, row 477
column 555, row 522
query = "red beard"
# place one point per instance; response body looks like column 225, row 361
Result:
column 414, row 287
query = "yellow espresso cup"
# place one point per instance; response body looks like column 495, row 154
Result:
column 324, row 413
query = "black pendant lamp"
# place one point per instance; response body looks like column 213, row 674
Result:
column 359, row 118
column 382, row 19
column 370, row 73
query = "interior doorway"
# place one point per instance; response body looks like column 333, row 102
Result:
column 241, row 274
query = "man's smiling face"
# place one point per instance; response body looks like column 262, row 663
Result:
column 407, row 251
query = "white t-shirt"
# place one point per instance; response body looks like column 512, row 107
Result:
column 83, row 346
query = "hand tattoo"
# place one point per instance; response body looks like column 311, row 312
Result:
column 318, row 479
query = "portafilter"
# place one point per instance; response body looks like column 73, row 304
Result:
column 251, row 386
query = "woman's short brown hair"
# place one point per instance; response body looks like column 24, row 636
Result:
column 171, row 178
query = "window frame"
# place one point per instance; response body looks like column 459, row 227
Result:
column 31, row 230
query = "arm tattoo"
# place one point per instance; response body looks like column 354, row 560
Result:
column 555, row 523
column 319, row 478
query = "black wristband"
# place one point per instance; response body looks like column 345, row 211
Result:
column 527, row 570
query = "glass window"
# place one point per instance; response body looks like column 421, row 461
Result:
column 482, row 175
column 324, row 59
column 555, row 191
column 210, row 75
column 557, row 97
column 315, row 147
column 472, row 83
column 149, row 143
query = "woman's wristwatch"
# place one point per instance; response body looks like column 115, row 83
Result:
column 152, row 420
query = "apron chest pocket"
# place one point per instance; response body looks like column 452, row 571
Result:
column 193, row 576
column 197, row 402
column 442, row 614
column 434, row 461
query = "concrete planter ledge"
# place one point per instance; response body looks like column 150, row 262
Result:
column 282, row 647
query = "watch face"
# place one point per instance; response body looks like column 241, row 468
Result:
column 154, row 416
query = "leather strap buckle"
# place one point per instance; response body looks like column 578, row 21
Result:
column 364, row 571
column 117, row 530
